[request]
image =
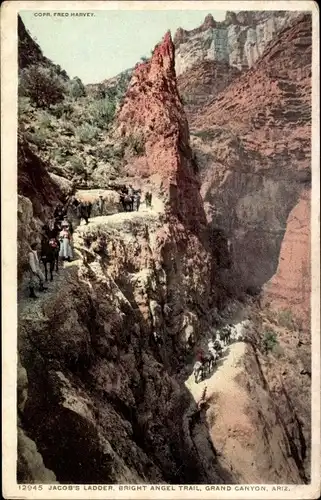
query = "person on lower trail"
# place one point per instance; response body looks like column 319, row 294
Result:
column 200, row 355
column 65, row 245
column 157, row 338
column 211, row 346
column 101, row 203
column 36, row 275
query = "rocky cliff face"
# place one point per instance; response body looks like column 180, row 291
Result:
column 154, row 109
column 254, row 150
column 290, row 286
column 238, row 41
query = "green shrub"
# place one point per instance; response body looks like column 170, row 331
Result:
column 62, row 109
column 205, row 135
column 86, row 132
column 269, row 340
column 45, row 120
column 136, row 143
column 101, row 112
column 24, row 106
column 39, row 138
column 42, row 85
column 285, row 319
column 77, row 165
column 77, row 88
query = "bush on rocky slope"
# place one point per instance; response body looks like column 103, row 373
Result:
column 43, row 87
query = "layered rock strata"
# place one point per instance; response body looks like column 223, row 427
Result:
column 238, row 41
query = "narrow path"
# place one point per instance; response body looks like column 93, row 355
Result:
column 33, row 307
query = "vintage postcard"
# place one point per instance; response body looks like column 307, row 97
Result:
column 161, row 209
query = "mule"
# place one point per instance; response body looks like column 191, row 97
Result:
column 49, row 255
column 127, row 202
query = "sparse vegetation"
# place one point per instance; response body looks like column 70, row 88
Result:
column 285, row 319
column 136, row 143
column 269, row 340
column 205, row 135
column 42, row 85
column 86, row 133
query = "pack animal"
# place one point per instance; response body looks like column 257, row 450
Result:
column 49, row 255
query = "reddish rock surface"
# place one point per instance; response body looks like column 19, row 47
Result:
column 152, row 107
column 290, row 287
column 253, row 145
column 203, row 82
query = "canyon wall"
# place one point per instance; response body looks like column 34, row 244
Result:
column 238, row 41
column 253, row 146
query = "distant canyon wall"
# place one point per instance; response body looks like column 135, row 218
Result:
column 239, row 40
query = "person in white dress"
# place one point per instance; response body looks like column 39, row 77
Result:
column 65, row 243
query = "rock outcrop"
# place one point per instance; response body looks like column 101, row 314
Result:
column 253, row 145
column 153, row 108
column 290, row 287
column 238, row 41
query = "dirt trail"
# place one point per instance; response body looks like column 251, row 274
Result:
column 32, row 308
column 222, row 378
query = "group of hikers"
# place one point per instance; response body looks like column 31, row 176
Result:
column 130, row 199
column 57, row 233
column 206, row 361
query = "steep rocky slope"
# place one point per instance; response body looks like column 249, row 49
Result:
column 254, row 150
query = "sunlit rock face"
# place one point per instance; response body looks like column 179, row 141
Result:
column 253, row 145
column 239, row 40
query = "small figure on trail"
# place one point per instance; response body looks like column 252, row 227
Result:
column 48, row 254
column 82, row 212
column 203, row 400
column 59, row 212
column 68, row 225
column 88, row 206
column 157, row 338
column 35, row 273
column 65, row 246
column 218, row 344
column 137, row 197
column 211, row 346
column 148, row 199
column 101, row 203
column 130, row 190
column 200, row 355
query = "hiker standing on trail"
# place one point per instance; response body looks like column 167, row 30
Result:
column 200, row 356
column 58, row 213
column 137, row 200
column 101, row 203
column 82, row 212
column 35, row 272
column 65, row 245
column 131, row 197
column 89, row 208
